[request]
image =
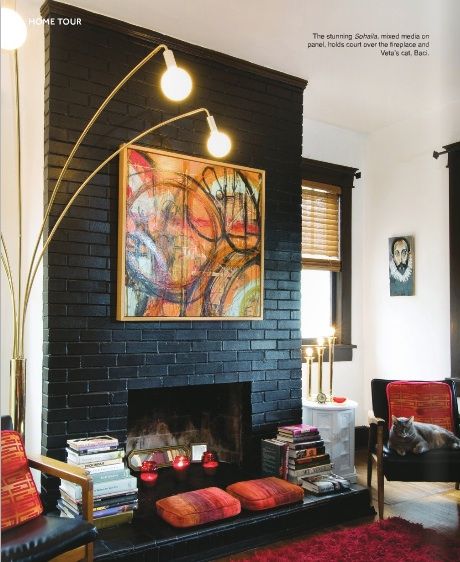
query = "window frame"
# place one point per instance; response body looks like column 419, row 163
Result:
column 453, row 163
column 343, row 177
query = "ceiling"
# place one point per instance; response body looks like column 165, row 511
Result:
column 353, row 88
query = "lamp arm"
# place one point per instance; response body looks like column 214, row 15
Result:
column 19, row 180
column 33, row 270
column 9, row 276
column 80, row 139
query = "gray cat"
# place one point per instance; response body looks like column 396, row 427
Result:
column 407, row 436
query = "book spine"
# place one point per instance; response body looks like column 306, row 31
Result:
column 93, row 442
column 308, row 452
column 291, row 439
column 309, row 461
column 109, row 476
column 102, row 488
column 295, row 475
column 272, row 458
column 318, row 490
column 306, row 445
column 75, row 458
column 91, row 450
column 104, row 466
column 112, row 511
column 111, row 520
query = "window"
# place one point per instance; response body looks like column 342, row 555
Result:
column 326, row 253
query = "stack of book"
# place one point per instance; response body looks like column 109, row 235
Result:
column 297, row 451
column 306, row 452
column 115, row 490
column 324, row 483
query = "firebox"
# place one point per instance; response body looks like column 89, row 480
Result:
column 217, row 414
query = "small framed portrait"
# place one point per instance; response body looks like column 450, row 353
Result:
column 197, row 450
column 401, row 259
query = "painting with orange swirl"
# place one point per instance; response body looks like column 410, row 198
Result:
column 191, row 235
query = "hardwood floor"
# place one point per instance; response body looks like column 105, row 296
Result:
column 436, row 505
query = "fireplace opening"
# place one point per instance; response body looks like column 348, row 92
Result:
column 216, row 414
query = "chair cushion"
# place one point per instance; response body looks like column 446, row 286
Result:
column 195, row 508
column 45, row 537
column 20, row 499
column 265, row 493
column 438, row 465
column 428, row 402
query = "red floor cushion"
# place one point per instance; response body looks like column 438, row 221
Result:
column 20, row 499
column 428, row 402
column 265, row 493
column 198, row 507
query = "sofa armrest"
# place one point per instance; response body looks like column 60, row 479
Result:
column 373, row 420
column 70, row 473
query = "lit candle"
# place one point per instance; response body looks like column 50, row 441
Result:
column 149, row 473
column 180, row 466
column 331, row 340
column 209, row 463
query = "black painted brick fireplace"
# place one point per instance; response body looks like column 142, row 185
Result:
column 91, row 361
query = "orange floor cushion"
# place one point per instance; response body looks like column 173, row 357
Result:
column 198, row 507
column 265, row 493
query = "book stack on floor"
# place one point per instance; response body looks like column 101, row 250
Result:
column 115, row 490
column 324, row 483
column 297, row 451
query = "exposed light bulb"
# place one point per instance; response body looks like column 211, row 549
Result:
column 175, row 82
column 14, row 30
column 219, row 144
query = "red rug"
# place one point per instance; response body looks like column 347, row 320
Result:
column 390, row 540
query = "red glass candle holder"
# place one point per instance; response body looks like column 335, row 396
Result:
column 209, row 463
column 180, row 465
column 149, row 473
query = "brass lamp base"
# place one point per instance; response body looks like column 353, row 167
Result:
column 18, row 394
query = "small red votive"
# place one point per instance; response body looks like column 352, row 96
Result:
column 180, row 465
column 209, row 463
column 149, row 473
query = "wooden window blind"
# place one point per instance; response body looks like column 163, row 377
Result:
column 320, row 226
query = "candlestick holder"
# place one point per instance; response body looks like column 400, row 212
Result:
column 180, row 466
column 331, row 340
column 308, row 358
column 209, row 462
column 320, row 397
column 149, row 473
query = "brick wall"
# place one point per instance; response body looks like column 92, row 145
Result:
column 90, row 359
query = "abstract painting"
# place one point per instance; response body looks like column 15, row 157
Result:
column 191, row 235
column 401, row 256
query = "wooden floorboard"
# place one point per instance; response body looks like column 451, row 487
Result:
column 436, row 505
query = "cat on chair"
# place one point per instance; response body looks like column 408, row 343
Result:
column 409, row 436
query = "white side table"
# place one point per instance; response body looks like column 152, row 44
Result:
column 336, row 424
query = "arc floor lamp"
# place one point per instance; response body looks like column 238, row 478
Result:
column 176, row 84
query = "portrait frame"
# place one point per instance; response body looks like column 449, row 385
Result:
column 217, row 269
column 401, row 265
column 197, row 450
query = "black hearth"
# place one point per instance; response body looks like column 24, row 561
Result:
column 150, row 538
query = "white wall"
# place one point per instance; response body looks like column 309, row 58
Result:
column 347, row 148
column 31, row 71
column 407, row 193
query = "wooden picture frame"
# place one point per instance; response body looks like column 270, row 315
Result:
column 163, row 456
column 191, row 238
